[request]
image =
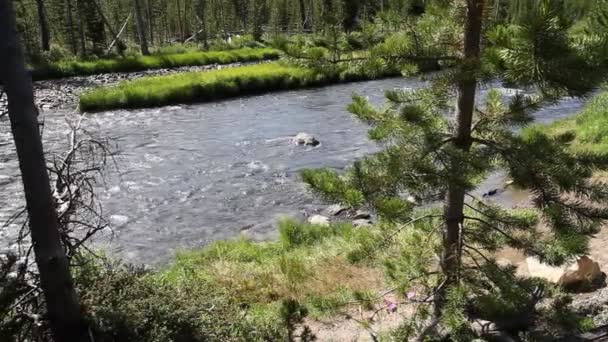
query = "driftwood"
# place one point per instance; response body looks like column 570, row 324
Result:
column 118, row 34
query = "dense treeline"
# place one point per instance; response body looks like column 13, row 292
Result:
column 87, row 28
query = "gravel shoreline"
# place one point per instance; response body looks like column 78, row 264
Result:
column 63, row 93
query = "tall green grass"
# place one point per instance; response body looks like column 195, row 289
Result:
column 139, row 63
column 308, row 263
column 214, row 85
column 197, row 86
column 590, row 126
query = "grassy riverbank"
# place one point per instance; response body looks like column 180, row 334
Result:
column 160, row 61
column 243, row 290
column 214, row 85
column 590, row 126
column 257, row 291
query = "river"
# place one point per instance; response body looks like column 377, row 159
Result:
column 188, row 175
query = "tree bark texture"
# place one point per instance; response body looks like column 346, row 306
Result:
column 141, row 28
column 45, row 35
column 63, row 309
column 453, row 213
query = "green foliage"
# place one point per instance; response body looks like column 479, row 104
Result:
column 591, row 124
column 210, row 85
column 424, row 157
column 175, row 58
column 125, row 304
column 294, row 234
column 293, row 315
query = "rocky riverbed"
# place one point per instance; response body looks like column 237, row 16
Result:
column 62, row 94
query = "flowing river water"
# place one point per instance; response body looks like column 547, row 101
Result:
column 188, row 175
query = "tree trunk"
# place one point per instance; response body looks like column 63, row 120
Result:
column 303, row 15
column 141, row 29
column 150, row 22
column 45, row 35
column 311, row 14
column 259, row 9
column 81, row 31
column 202, row 15
column 455, row 196
column 63, row 310
column 179, row 22
column 71, row 29
column 106, row 23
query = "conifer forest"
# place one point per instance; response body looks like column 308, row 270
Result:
column 303, row 170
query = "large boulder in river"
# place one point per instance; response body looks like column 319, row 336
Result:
column 583, row 276
column 319, row 220
column 336, row 209
column 362, row 215
column 305, row 139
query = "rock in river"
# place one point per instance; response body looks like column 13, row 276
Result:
column 305, row 139
column 583, row 276
column 336, row 209
column 319, row 220
column 362, row 214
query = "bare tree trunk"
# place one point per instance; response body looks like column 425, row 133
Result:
column 150, row 23
column 141, row 29
column 311, row 13
column 45, row 35
column 259, row 7
column 303, row 15
column 180, row 24
column 70, row 19
column 455, row 196
column 82, row 35
column 202, row 16
column 106, row 22
column 56, row 282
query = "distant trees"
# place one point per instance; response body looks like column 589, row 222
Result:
column 87, row 27
column 62, row 307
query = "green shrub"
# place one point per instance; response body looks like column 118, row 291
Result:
column 128, row 304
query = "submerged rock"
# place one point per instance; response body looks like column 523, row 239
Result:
column 119, row 220
column 305, row 139
column 336, row 209
column 362, row 223
column 361, row 214
column 491, row 193
column 319, row 220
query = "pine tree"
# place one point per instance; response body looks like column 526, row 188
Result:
column 429, row 157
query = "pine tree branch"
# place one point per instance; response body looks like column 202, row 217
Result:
column 516, row 243
column 396, row 232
